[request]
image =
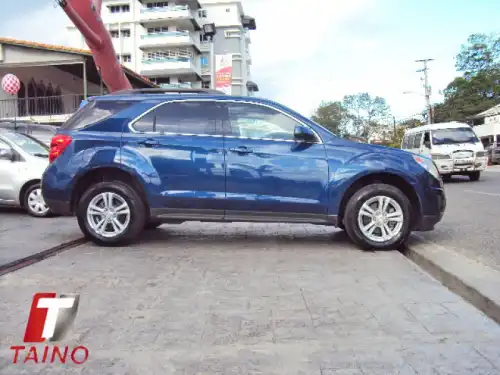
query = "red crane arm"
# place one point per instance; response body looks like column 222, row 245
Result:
column 86, row 16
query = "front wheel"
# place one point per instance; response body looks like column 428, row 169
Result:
column 474, row 176
column 34, row 203
column 378, row 217
column 111, row 213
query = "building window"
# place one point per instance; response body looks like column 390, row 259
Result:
column 228, row 10
column 232, row 33
column 126, row 58
column 114, row 33
column 202, row 13
column 156, row 30
column 126, row 33
column 124, row 8
column 159, row 4
column 205, row 84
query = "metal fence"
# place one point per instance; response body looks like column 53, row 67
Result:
column 40, row 106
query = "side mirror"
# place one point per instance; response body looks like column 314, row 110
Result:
column 304, row 134
column 6, row 154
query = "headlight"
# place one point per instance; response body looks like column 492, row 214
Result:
column 440, row 157
column 427, row 164
column 480, row 154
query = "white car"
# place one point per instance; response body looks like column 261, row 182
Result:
column 23, row 160
column 453, row 146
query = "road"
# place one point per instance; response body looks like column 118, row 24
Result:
column 471, row 224
column 250, row 299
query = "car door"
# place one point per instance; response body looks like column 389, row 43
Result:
column 8, row 170
column 179, row 140
column 268, row 173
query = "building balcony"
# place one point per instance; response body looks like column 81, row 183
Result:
column 169, row 39
column 167, row 65
column 180, row 15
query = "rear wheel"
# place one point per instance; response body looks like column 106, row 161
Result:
column 111, row 213
column 34, row 203
column 378, row 217
column 474, row 176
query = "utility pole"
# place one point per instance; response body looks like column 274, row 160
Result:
column 427, row 88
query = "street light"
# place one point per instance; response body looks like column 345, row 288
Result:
column 209, row 31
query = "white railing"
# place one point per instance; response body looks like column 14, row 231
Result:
column 175, row 8
column 183, row 85
column 160, row 34
column 170, row 54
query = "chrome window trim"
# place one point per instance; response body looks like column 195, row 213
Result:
column 132, row 130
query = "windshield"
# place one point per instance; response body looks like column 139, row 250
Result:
column 453, row 136
column 28, row 144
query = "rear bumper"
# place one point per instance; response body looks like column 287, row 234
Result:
column 59, row 207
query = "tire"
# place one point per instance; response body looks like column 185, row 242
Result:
column 152, row 224
column 121, row 194
column 474, row 176
column 33, row 202
column 397, row 200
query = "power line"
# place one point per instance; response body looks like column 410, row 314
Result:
column 427, row 88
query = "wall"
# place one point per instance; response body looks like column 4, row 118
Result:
column 223, row 15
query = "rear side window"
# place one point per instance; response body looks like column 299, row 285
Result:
column 181, row 118
column 416, row 140
column 411, row 137
column 404, row 144
column 95, row 111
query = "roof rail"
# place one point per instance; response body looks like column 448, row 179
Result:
column 167, row 91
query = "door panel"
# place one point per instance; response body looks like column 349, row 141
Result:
column 186, row 154
column 267, row 173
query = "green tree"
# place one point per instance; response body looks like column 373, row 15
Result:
column 366, row 114
column 333, row 116
column 480, row 53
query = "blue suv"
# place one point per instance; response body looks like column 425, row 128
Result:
column 132, row 160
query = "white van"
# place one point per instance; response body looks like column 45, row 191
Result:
column 454, row 147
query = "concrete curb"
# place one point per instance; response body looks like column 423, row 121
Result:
column 473, row 281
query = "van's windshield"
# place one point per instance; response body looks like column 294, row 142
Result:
column 453, row 136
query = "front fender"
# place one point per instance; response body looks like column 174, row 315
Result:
column 369, row 163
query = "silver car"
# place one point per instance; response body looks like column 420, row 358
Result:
column 23, row 160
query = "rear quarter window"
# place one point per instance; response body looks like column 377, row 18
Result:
column 95, row 111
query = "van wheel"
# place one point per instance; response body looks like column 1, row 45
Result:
column 111, row 213
column 474, row 176
column 378, row 217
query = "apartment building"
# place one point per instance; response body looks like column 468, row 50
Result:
column 163, row 40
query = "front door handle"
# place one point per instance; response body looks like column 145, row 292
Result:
column 149, row 142
column 241, row 150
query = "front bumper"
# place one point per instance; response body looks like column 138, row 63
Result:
column 450, row 166
column 427, row 222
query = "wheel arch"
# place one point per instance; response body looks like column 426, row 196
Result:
column 103, row 174
column 25, row 187
column 386, row 178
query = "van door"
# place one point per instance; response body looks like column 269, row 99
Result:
column 417, row 143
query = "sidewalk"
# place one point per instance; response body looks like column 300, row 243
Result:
column 251, row 299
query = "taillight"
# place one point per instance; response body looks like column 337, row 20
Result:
column 57, row 146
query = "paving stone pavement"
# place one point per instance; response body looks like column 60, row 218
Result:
column 251, row 299
column 22, row 235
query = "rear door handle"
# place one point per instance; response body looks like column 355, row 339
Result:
column 241, row 150
column 149, row 142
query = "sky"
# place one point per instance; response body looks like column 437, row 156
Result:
column 306, row 52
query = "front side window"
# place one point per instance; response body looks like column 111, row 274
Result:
column 453, row 136
column 187, row 118
column 256, row 121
